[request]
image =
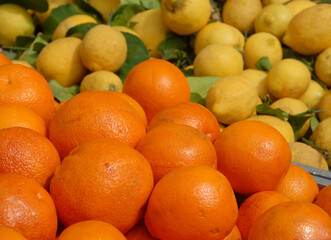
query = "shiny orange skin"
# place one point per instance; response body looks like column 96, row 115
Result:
column 252, row 155
column 189, row 113
column 102, row 179
column 298, row 184
column 234, row 234
column 16, row 115
column 27, row 207
column 156, row 84
column 25, row 152
column 10, row 234
column 292, row 220
column 192, row 203
column 323, row 199
column 23, row 85
column 170, row 146
column 4, row 59
column 91, row 115
column 139, row 233
column 254, row 206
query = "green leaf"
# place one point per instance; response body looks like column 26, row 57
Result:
column 313, row 123
column 58, row 15
column 34, row 49
column 80, row 30
column 147, row 4
column 324, row 1
column 265, row 109
column 84, row 5
column 137, row 52
column 196, row 97
column 38, row 5
column 200, row 86
column 63, row 93
column 309, row 61
column 124, row 13
column 297, row 121
column 263, row 64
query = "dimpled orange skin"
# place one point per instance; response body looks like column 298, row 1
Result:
column 252, row 155
column 94, row 114
column 156, row 84
column 323, row 199
column 24, row 85
column 139, row 233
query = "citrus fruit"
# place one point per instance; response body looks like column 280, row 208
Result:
column 312, row 96
column 8, row 233
column 101, row 81
column 105, row 7
column 259, row 80
column 139, row 233
column 52, row 4
column 323, row 199
column 234, row 234
column 323, row 66
column 299, row 5
column 325, row 106
column 4, row 59
column 322, row 134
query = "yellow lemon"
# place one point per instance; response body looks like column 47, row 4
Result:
column 185, row 17
column 281, row 125
column 151, row 29
column 288, row 78
column 241, row 14
column 299, row 5
column 268, row 2
column 101, row 81
column 303, row 153
column 309, row 32
column 259, row 80
column 232, row 99
column 62, row 29
column 103, row 48
column 312, row 95
column 218, row 32
column 126, row 30
column 273, row 19
column 52, row 4
column 218, row 60
column 293, row 106
column 325, row 106
column 59, row 60
column 105, row 7
column 322, row 135
column 323, row 66
column 260, row 45
column 14, row 21
column 23, row 62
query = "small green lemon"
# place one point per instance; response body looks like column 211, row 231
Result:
column 101, row 81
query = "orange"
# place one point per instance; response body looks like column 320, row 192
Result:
column 254, row 206
column 23, row 85
column 292, row 220
column 192, row 203
column 94, row 114
column 134, row 104
column 170, row 146
column 4, row 59
column 234, row 234
column 252, row 155
column 91, row 230
column 16, row 115
column 105, row 180
column 10, row 234
column 25, row 152
column 189, row 113
column 27, row 207
column 156, row 84
column 139, row 233
column 323, row 199
column 298, row 184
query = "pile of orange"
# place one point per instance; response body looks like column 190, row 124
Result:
column 144, row 164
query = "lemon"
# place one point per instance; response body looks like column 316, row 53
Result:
column 293, row 106
column 59, row 60
column 322, row 135
column 273, row 19
column 185, row 17
column 52, row 4
column 312, row 95
column 299, row 5
column 151, row 29
column 126, row 30
column 323, row 66
column 105, row 7
column 14, row 21
column 62, row 29
column 218, row 60
column 241, row 14
column 288, row 78
column 325, row 106
column 218, row 32
column 309, row 32
column 260, row 45
column 232, row 99
column 268, row 2
column 281, row 125
column 101, row 81
column 258, row 79
column 23, row 62
column 103, row 48
column 303, row 153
